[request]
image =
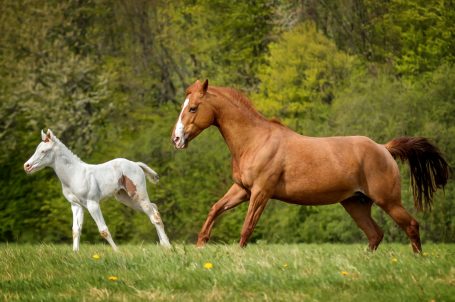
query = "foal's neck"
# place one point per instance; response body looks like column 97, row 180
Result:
column 65, row 163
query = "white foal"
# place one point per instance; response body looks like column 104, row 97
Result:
column 85, row 185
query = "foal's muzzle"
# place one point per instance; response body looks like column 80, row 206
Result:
column 28, row 168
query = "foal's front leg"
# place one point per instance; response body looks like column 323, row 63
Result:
column 94, row 209
column 78, row 219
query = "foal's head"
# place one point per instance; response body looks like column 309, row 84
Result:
column 196, row 115
column 44, row 154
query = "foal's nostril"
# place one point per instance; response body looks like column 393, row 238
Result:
column 26, row 166
column 176, row 139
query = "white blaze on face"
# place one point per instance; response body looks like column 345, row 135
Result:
column 179, row 128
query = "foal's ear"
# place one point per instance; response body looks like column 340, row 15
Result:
column 43, row 135
column 205, row 86
column 48, row 136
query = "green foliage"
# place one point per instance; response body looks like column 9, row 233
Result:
column 420, row 34
column 413, row 36
column 302, row 73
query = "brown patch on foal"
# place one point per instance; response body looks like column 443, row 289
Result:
column 157, row 217
column 129, row 185
column 104, row 234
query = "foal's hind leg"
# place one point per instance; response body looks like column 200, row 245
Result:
column 152, row 212
column 148, row 208
column 360, row 211
column 124, row 198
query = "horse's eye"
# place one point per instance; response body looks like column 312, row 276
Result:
column 193, row 109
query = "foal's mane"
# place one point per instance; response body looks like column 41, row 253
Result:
column 65, row 148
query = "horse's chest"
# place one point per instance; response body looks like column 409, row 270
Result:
column 243, row 177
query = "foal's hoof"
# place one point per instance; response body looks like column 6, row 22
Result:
column 166, row 245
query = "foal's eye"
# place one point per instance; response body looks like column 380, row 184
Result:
column 193, row 109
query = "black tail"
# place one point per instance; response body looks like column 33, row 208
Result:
column 429, row 169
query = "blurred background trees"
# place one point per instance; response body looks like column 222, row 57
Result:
column 108, row 77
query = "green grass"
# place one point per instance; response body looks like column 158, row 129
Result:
column 303, row 272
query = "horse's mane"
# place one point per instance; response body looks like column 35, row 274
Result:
column 65, row 148
column 276, row 121
column 238, row 98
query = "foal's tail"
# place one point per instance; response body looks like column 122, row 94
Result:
column 151, row 175
column 429, row 169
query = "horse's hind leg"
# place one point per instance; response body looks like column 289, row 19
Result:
column 406, row 222
column 360, row 211
column 389, row 199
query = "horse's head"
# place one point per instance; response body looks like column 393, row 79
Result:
column 44, row 155
column 196, row 115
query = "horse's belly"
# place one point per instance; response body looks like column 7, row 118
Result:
column 313, row 194
column 312, row 200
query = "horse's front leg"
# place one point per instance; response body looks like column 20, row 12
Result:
column 94, row 209
column 258, row 201
column 233, row 197
column 78, row 220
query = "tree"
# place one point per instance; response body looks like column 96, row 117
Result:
column 299, row 80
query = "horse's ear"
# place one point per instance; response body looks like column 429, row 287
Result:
column 205, row 86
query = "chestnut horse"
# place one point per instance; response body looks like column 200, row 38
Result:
column 270, row 160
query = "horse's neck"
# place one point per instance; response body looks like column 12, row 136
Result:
column 240, row 127
column 66, row 164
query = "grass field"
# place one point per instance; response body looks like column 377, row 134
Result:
column 304, row 272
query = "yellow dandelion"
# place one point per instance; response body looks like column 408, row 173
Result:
column 96, row 257
column 112, row 278
column 344, row 273
column 285, row 265
column 425, row 254
column 208, row 265
column 394, row 260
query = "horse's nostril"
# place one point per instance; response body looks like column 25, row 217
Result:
column 176, row 139
column 26, row 166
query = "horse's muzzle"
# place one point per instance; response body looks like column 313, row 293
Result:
column 179, row 142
